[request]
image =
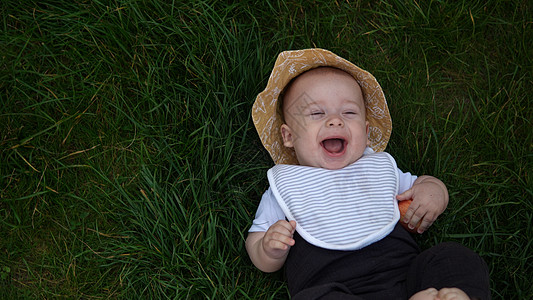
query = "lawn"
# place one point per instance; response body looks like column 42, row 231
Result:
column 130, row 168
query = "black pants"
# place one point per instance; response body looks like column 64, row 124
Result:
column 392, row 268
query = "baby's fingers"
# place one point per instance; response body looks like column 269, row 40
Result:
column 416, row 218
column 407, row 195
column 279, row 236
column 279, row 241
column 423, row 222
column 284, row 227
column 277, row 245
column 293, row 225
column 424, row 225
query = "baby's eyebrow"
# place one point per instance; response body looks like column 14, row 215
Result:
column 353, row 102
column 307, row 105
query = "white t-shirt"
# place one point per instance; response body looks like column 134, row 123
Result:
column 269, row 211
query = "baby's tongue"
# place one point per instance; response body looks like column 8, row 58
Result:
column 333, row 145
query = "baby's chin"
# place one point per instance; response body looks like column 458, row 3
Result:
column 325, row 161
column 336, row 164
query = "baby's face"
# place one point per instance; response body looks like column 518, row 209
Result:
column 325, row 119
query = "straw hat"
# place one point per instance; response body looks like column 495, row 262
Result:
column 289, row 64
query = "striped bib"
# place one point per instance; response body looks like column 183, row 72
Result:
column 345, row 209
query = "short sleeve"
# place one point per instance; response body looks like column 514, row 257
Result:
column 406, row 181
column 268, row 213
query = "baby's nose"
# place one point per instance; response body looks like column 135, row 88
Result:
column 335, row 121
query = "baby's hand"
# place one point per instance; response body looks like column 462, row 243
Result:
column 278, row 239
column 430, row 199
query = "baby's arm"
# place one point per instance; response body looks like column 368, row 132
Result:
column 430, row 199
column 268, row 250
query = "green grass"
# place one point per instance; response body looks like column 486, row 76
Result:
column 130, row 167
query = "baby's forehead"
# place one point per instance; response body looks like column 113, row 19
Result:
column 304, row 80
column 320, row 72
column 288, row 98
column 324, row 71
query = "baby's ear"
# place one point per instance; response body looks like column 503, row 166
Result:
column 286, row 133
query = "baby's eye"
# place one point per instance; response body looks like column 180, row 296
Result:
column 350, row 113
column 316, row 114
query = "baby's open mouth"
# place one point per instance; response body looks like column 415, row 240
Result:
column 334, row 146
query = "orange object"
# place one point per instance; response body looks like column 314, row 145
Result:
column 403, row 206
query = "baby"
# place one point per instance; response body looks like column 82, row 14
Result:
column 330, row 215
